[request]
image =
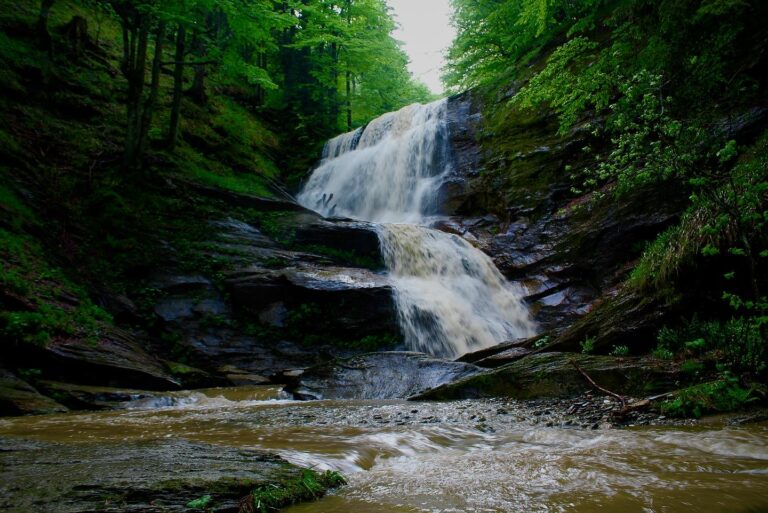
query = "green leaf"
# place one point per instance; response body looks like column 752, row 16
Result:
column 200, row 503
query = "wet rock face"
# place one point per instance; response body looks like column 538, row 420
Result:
column 357, row 238
column 463, row 120
column 291, row 299
column 565, row 251
column 391, row 375
column 359, row 300
column 118, row 358
column 498, row 355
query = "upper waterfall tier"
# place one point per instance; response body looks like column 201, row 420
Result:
column 388, row 172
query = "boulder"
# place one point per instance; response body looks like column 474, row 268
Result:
column 629, row 317
column 388, row 375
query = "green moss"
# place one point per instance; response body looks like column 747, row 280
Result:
column 280, row 226
column 57, row 307
column 342, row 256
column 200, row 503
column 225, row 179
column 179, row 369
column 310, row 485
column 10, row 202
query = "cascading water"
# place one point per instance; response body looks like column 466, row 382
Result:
column 451, row 299
column 387, row 172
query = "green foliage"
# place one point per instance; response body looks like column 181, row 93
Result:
column 494, row 35
column 57, row 307
column 308, row 485
column 343, row 256
column 29, row 374
column 372, row 343
column 587, row 345
column 201, row 503
column 692, row 367
column 722, row 395
column 620, row 351
column 662, row 353
column 650, row 88
column 739, row 344
column 570, row 83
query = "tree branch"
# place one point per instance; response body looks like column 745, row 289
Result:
column 620, row 398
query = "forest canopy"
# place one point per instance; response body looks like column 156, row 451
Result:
column 325, row 66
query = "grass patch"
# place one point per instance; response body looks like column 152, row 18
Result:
column 52, row 304
column 310, row 485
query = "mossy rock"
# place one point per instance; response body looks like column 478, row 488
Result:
column 19, row 398
column 163, row 475
column 551, row 375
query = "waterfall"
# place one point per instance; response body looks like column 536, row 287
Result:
column 386, row 173
column 451, row 299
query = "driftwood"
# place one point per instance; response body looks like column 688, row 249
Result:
column 641, row 404
column 622, row 400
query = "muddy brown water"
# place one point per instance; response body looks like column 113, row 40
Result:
column 465, row 456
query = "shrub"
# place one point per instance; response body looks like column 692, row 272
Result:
column 663, row 353
column 620, row 351
column 588, row 345
column 738, row 343
column 722, row 395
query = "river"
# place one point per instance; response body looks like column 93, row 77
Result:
column 399, row 456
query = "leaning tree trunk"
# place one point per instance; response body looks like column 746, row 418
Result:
column 178, row 80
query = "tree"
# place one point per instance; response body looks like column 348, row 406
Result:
column 42, row 25
column 139, row 20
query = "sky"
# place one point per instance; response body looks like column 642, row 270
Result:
column 425, row 28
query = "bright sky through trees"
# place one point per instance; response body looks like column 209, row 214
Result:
column 426, row 30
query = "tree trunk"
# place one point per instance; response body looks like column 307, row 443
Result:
column 149, row 104
column 261, row 92
column 197, row 91
column 178, row 79
column 348, row 73
column 42, row 26
column 135, row 75
column 334, row 91
column 126, row 59
column 349, row 100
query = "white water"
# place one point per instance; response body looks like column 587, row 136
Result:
column 387, row 173
column 451, row 299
